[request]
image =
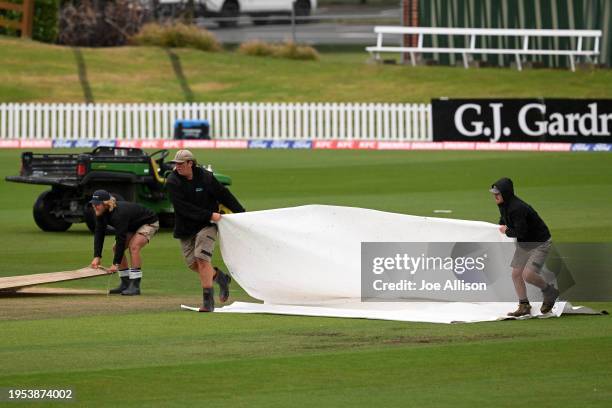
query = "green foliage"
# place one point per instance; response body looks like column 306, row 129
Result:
column 144, row 74
column 46, row 21
column 176, row 36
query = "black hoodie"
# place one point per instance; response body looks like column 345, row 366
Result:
column 195, row 200
column 522, row 220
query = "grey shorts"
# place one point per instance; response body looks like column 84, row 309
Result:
column 535, row 258
column 200, row 246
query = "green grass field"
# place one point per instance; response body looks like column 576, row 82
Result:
column 145, row 352
column 35, row 72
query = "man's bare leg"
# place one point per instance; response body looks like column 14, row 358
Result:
column 135, row 244
column 519, row 283
column 124, row 271
column 531, row 276
column 524, row 307
column 549, row 292
column 194, row 267
column 124, row 262
column 206, row 273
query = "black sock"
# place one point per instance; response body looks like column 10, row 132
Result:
column 524, row 301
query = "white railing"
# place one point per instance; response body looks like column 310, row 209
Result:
column 524, row 36
column 363, row 121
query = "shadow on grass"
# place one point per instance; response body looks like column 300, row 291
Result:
column 180, row 75
column 82, row 69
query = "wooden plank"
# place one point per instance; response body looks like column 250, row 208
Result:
column 10, row 23
column 12, row 282
column 11, row 6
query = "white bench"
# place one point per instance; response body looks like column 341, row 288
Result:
column 473, row 33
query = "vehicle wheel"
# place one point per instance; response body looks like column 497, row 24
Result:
column 90, row 216
column 230, row 9
column 302, row 9
column 43, row 213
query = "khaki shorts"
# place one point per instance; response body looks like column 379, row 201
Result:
column 148, row 230
column 534, row 258
column 200, row 246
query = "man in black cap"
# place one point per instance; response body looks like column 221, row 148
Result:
column 134, row 227
column 196, row 194
column 519, row 220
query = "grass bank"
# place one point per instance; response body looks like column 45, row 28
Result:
column 35, row 72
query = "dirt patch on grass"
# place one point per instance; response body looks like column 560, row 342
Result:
column 326, row 334
column 50, row 79
column 445, row 339
column 209, row 86
column 145, row 77
column 334, row 340
column 30, row 306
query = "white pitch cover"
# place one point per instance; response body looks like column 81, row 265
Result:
column 307, row 261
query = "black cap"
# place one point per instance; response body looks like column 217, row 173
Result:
column 99, row 196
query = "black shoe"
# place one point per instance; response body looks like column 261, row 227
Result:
column 133, row 289
column 125, row 283
column 223, row 279
column 208, row 304
column 550, row 297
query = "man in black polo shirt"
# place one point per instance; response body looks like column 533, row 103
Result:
column 519, row 220
column 196, row 194
column 134, row 227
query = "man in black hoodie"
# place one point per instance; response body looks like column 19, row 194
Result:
column 196, row 194
column 134, row 226
column 519, row 220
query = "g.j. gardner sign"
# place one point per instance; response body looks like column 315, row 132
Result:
column 523, row 120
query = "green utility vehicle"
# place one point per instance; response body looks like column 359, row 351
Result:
column 129, row 174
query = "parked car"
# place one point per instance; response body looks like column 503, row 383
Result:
column 258, row 10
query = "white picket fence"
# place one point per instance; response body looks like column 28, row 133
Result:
column 317, row 121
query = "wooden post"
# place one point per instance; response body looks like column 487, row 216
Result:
column 405, row 20
column 27, row 18
column 410, row 18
